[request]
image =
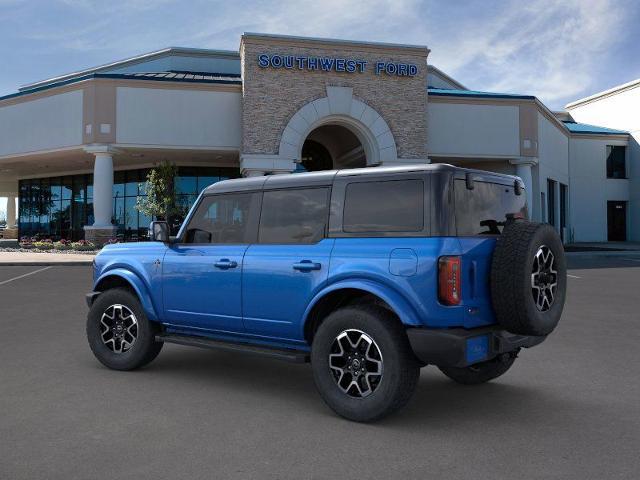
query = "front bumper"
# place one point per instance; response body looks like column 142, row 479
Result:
column 459, row 347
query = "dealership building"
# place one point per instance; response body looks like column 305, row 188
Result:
column 75, row 149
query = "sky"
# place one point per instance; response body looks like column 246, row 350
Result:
column 557, row 50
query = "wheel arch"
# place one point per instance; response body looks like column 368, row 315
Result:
column 350, row 292
column 122, row 278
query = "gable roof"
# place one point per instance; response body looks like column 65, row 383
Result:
column 585, row 128
column 145, row 57
column 443, row 92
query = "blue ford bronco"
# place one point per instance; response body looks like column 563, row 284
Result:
column 369, row 274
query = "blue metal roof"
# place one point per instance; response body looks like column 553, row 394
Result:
column 188, row 77
column 444, row 92
column 585, row 128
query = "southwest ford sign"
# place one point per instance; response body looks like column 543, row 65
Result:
column 334, row 64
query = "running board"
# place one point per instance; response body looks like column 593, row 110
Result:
column 295, row 356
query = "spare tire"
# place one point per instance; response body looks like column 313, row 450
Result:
column 528, row 278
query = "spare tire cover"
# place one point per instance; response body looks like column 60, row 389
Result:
column 528, row 278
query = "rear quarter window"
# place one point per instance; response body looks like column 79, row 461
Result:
column 484, row 210
column 384, row 207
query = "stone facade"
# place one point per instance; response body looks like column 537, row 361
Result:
column 272, row 96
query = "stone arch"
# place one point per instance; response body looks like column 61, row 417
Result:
column 339, row 107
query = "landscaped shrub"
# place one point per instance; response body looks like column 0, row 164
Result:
column 46, row 244
column 62, row 245
column 83, row 245
column 26, row 242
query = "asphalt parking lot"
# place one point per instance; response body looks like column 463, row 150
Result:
column 569, row 408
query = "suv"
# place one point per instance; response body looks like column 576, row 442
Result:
column 369, row 274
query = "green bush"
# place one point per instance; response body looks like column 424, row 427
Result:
column 62, row 245
column 83, row 246
column 43, row 244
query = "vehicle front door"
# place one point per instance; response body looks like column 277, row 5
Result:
column 290, row 262
column 202, row 271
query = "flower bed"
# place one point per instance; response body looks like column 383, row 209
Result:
column 46, row 245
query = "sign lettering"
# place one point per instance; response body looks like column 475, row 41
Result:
column 332, row 64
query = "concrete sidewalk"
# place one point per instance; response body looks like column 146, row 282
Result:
column 37, row 259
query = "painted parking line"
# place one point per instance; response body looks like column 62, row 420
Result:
column 573, row 276
column 25, row 275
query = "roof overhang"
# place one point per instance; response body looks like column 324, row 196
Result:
column 145, row 57
column 606, row 93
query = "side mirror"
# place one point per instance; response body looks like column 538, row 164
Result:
column 159, row 232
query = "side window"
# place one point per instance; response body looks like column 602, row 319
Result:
column 388, row 206
column 484, row 210
column 228, row 218
column 294, row 216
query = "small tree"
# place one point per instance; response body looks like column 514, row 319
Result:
column 160, row 201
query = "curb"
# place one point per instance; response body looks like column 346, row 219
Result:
column 83, row 263
column 603, row 253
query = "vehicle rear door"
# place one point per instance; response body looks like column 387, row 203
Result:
column 290, row 262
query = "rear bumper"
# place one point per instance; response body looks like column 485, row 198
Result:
column 458, row 347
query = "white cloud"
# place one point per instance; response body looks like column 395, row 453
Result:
column 547, row 48
column 544, row 47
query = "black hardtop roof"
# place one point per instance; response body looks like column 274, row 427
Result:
column 326, row 177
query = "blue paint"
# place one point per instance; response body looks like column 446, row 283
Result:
column 263, row 296
column 477, row 349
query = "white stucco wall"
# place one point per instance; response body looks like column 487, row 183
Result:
column 43, row 124
column 189, row 118
column 553, row 163
column 620, row 111
column 590, row 189
column 471, row 129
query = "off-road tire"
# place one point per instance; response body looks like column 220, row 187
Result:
column 480, row 372
column 142, row 351
column 512, row 295
column 399, row 366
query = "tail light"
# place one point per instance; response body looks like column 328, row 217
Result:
column 449, row 280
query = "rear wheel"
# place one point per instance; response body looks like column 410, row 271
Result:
column 362, row 363
column 119, row 333
column 528, row 278
column 481, row 372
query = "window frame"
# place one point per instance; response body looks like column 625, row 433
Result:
column 252, row 222
column 606, row 163
column 338, row 197
column 325, row 233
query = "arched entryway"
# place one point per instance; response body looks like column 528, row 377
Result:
column 337, row 130
column 330, row 147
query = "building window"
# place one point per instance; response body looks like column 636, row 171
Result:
column 564, row 200
column 616, row 161
column 59, row 207
column 551, row 202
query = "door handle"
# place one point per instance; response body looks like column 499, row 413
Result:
column 225, row 263
column 306, row 266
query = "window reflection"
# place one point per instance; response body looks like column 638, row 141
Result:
column 59, row 207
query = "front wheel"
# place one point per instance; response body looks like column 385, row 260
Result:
column 119, row 333
column 362, row 363
column 481, row 372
